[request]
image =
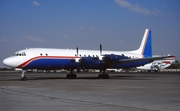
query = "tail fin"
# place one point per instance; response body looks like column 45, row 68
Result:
column 145, row 48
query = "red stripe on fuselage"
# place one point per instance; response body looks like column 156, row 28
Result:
column 46, row 57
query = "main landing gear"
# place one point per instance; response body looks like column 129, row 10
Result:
column 71, row 75
column 23, row 77
column 74, row 76
column 103, row 75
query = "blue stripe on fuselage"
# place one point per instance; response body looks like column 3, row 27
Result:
column 54, row 64
column 45, row 63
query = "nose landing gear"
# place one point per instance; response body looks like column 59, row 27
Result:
column 23, row 77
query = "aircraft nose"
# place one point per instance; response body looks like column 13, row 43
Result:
column 9, row 62
column 6, row 62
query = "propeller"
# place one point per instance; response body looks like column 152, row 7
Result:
column 101, row 49
column 101, row 65
column 77, row 52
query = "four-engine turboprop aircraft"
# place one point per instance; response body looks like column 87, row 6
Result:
column 70, row 59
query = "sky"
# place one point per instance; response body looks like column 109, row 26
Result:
column 116, row 24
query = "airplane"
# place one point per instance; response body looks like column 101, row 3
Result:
column 157, row 65
column 70, row 59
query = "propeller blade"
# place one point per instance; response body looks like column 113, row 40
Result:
column 101, row 49
column 77, row 52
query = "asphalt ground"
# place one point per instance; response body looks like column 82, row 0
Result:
column 122, row 92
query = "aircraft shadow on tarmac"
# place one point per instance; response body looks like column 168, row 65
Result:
column 116, row 77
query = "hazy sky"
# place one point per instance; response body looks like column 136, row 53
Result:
column 117, row 24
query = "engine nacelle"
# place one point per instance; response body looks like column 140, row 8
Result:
column 89, row 62
column 111, row 58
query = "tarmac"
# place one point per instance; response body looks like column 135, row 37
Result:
column 122, row 92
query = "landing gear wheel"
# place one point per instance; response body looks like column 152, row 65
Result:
column 71, row 76
column 100, row 76
column 24, row 78
column 103, row 76
column 106, row 76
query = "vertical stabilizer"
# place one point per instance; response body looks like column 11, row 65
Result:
column 145, row 48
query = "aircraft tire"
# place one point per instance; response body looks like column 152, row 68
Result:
column 99, row 76
column 24, row 78
column 71, row 76
column 106, row 76
column 103, row 76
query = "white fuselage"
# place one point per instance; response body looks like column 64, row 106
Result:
column 23, row 57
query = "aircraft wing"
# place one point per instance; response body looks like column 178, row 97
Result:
column 143, row 59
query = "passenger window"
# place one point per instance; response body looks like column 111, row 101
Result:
column 41, row 54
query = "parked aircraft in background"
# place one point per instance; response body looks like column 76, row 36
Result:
column 157, row 65
column 70, row 59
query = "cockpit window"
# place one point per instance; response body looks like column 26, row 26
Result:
column 20, row 54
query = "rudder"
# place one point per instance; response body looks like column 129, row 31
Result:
column 145, row 48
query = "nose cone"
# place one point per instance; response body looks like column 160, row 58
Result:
column 9, row 62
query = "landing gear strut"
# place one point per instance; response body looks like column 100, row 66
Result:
column 71, row 75
column 23, row 77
